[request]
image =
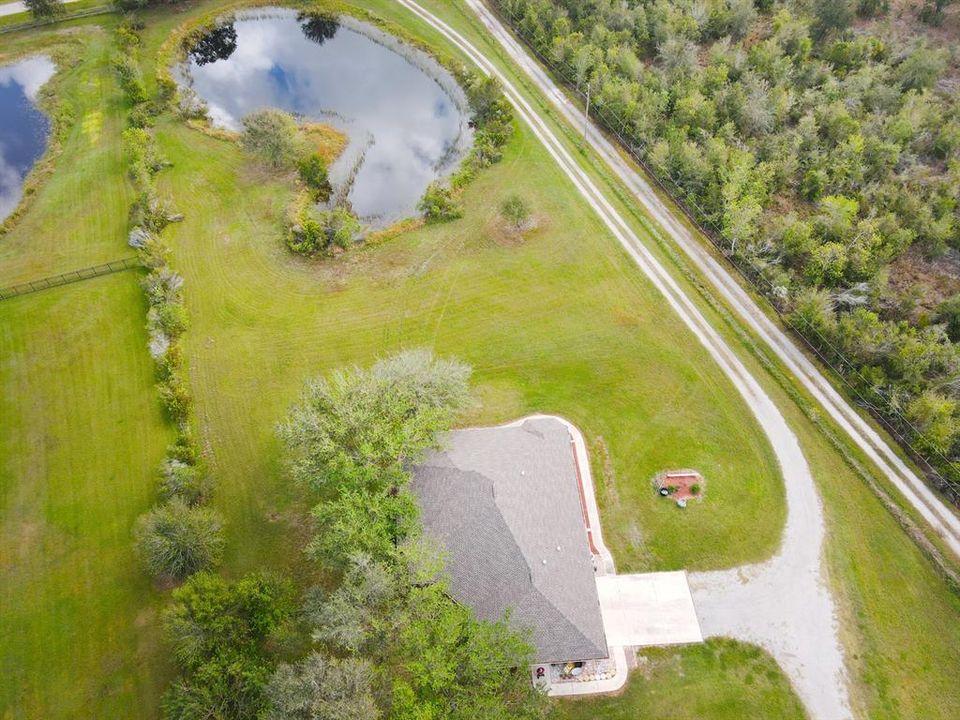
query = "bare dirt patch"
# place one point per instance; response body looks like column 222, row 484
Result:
column 929, row 280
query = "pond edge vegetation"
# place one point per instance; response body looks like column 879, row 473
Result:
column 312, row 234
column 64, row 52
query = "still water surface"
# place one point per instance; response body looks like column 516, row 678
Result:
column 23, row 128
column 403, row 113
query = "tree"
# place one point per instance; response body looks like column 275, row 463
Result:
column 932, row 11
column 44, row 9
column 177, row 540
column 273, row 135
column 454, row 666
column 218, row 632
column 318, row 28
column 948, row 313
column 934, row 417
column 354, row 614
column 322, row 688
column 832, row 16
column 438, row 203
column 360, row 428
column 218, row 44
column 515, row 211
column 922, row 67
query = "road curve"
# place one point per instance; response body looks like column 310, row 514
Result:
column 818, row 676
column 925, row 500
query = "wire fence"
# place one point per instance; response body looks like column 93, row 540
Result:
column 893, row 421
column 69, row 277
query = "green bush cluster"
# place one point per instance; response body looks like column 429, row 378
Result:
column 492, row 119
column 274, row 137
column 313, row 173
column 180, row 536
column 126, row 63
column 219, row 632
column 818, row 153
column 492, row 122
column 439, row 204
column 148, row 212
column 176, row 540
column 312, row 232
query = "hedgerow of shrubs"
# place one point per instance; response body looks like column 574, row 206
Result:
column 180, row 536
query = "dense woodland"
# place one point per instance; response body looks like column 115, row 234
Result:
column 820, row 141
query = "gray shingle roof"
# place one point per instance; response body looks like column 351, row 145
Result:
column 501, row 501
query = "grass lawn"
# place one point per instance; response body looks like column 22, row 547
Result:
column 78, row 216
column 71, row 9
column 719, row 680
column 80, row 437
column 81, row 433
column 559, row 322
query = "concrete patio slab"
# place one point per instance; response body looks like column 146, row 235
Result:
column 648, row 609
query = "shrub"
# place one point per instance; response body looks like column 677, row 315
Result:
column 438, row 204
column 184, row 481
column 130, row 77
column 515, row 211
column 311, row 232
column 176, row 540
column 170, row 317
column 313, row 172
column 175, row 397
column 695, row 489
column 273, row 136
column 162, row 286
column 141, row 116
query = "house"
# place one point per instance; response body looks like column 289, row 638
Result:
column 505, row 505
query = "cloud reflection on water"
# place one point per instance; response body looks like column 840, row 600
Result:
column 373, row 90
column 23, row 128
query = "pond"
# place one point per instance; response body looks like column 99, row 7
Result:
column 23, row 128
column 404, row 114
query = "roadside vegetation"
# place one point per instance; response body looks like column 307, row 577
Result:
column 560, row 323
column 820, row 140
